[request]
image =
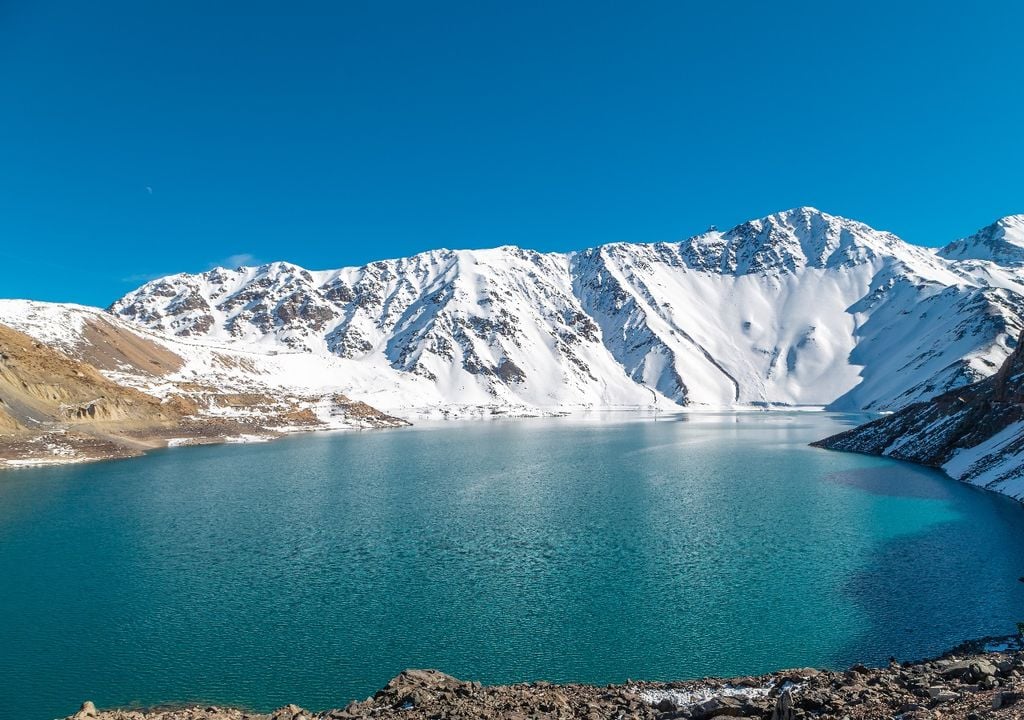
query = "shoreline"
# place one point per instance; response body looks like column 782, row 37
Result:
column 169, row 439
column 981, row 678
column 77, row 445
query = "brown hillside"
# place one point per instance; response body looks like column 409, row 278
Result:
column 39, row 385
column 108, row 347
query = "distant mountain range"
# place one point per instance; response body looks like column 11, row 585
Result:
column 798, row 308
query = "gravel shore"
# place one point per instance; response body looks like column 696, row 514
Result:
column 979, row 679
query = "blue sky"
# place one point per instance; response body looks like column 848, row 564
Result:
column 145, row 138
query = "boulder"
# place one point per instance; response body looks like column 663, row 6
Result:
column 1004, row 699
column 719, row 707
column 982, row 669
column 288, row 712
column 88, row 710
column 957, row 669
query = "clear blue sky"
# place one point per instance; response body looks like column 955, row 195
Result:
column 143, row 138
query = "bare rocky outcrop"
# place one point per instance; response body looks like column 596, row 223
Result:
column 363, row 414
column 54, row 408
column 973, row 682
column 975, row 433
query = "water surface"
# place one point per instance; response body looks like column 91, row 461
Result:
column 313, row 569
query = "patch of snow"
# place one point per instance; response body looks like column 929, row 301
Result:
column 247, row 438
column 701, row 693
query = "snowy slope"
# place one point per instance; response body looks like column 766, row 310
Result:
column 798, row 308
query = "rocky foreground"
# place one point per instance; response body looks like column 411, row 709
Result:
column 977, row 680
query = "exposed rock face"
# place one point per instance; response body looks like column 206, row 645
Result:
column 975, row 433
column 969, row 684
column 797, row 308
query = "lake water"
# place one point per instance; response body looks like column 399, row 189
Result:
column 313, row 569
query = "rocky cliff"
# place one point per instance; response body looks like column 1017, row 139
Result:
column 974, row 433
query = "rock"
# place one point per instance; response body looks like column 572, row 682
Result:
column 666, row 704
column 1004, row 699
column 813, row 702
column 982, row 669
column 288, row 712
column 784, row 707
column 88, row 710
column 719, row 707
column 746, row 681
column 956, row 669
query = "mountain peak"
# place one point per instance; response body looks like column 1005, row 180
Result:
column 790, row 239
column 1001, row 242
column 804, row 220
column 1012, row 227
column 802, row 212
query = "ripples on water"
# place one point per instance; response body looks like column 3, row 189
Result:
column 313, row 569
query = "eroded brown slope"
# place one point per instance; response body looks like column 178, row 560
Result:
column 39, row 384
column 7, row 422
column 108, row 347
column 54, row 407
column 57, row 406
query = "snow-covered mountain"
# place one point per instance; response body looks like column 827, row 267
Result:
column 797, row 308
column 1002, row 242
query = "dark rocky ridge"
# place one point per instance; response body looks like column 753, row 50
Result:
column 966, row 683
column 932, row 432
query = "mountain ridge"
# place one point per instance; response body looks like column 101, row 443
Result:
column 797, row 308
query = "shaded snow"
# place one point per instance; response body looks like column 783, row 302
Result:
column 992, row 464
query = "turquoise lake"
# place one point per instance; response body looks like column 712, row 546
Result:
column 313, row 569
